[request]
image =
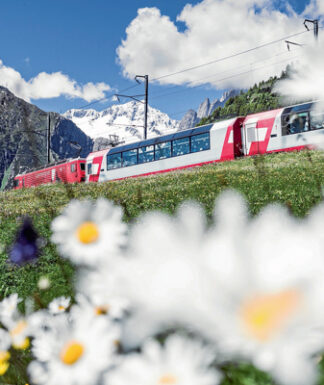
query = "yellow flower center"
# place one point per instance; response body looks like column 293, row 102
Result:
column 167, row 379
column 4, row 365
column 61, row 307
column 19, row 328
column 88, row 232
column 101, row 310
column 23, row 344
column 264, row 315
column 71, row 352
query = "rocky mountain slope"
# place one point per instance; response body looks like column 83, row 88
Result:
column 206, row 108
column 23, row 129
column 122, row 122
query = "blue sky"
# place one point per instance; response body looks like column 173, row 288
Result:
column 79, row 38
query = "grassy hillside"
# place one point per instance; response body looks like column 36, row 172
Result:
column 293, row 179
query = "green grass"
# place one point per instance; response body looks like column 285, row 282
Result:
column 292, row 179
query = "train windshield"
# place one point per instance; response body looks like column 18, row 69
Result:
column 16, row 183
column 82, row 166
column 302, row 118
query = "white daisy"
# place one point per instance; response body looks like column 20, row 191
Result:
column 179, row 362
column 9, row 307
column 159, row 276
column 5, row 342
column 59, row 305
column 265, row 298
column 73, row 351
column 88, row 232
column 19, row 331
column 98, row 286
column 43, row 283
column 252, row 286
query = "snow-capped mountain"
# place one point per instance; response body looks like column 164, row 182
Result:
column 124, row 120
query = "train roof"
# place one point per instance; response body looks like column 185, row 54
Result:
column 50, row 166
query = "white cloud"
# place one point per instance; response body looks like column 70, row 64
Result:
column 315, row 9
column 214, row 29
column 44, row 86
column 307, row 83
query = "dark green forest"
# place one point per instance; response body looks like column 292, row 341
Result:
column 260, row 97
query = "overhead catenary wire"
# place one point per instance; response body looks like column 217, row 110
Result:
column 231, row 56
column 199, row 66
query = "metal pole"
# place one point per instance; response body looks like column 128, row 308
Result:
column 316, row 29
column 146, row 106
column 48, row 138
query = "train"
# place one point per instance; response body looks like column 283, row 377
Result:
column 284, row 129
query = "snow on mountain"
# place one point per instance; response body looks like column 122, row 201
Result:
column 124, row 120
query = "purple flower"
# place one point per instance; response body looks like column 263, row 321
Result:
column 25, row 249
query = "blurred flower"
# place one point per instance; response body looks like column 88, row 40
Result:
column 44, row 283
column 59, row 305
column 253, row 287
column 97, row 289
column 162, row 274
column 8, row 307
column 179, row 362
column 25, row 249
column 73, row 351
column 5, row 342
column 19, row 333
column 88, row 232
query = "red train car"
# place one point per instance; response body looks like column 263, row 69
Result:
column 67, row 171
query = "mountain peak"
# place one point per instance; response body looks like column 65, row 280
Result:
column 123, row 120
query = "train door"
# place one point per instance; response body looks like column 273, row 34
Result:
column 93, row 168
column 249, row 135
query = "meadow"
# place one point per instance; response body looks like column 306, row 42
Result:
column 294, row 180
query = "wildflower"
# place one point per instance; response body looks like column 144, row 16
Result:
column 162, row 273
column 44, row 283
column 4, row 351
column 73, row 351
column 253, row 287
column 25, row 249
column 8, row 307
column 97, row 294
column 59, row 305
column 179, row 362
column 89, row 233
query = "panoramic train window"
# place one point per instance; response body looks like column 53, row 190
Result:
column 114, row 161
column 180, row 146
column 163, row 150
column 295, row 123
column 200, row 142
column 146, row 154
column 317, row 120
column 129, row 157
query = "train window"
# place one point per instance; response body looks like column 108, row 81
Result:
column 146, row 154
column 295, row 123
column 16, row 183
column 129, row 157
column 180, row 146
column 163, row 150
column 114, row 161
column 73, row 167
column 82, row 166
column 317, row 120
column 200, row 142
column 89, row 169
